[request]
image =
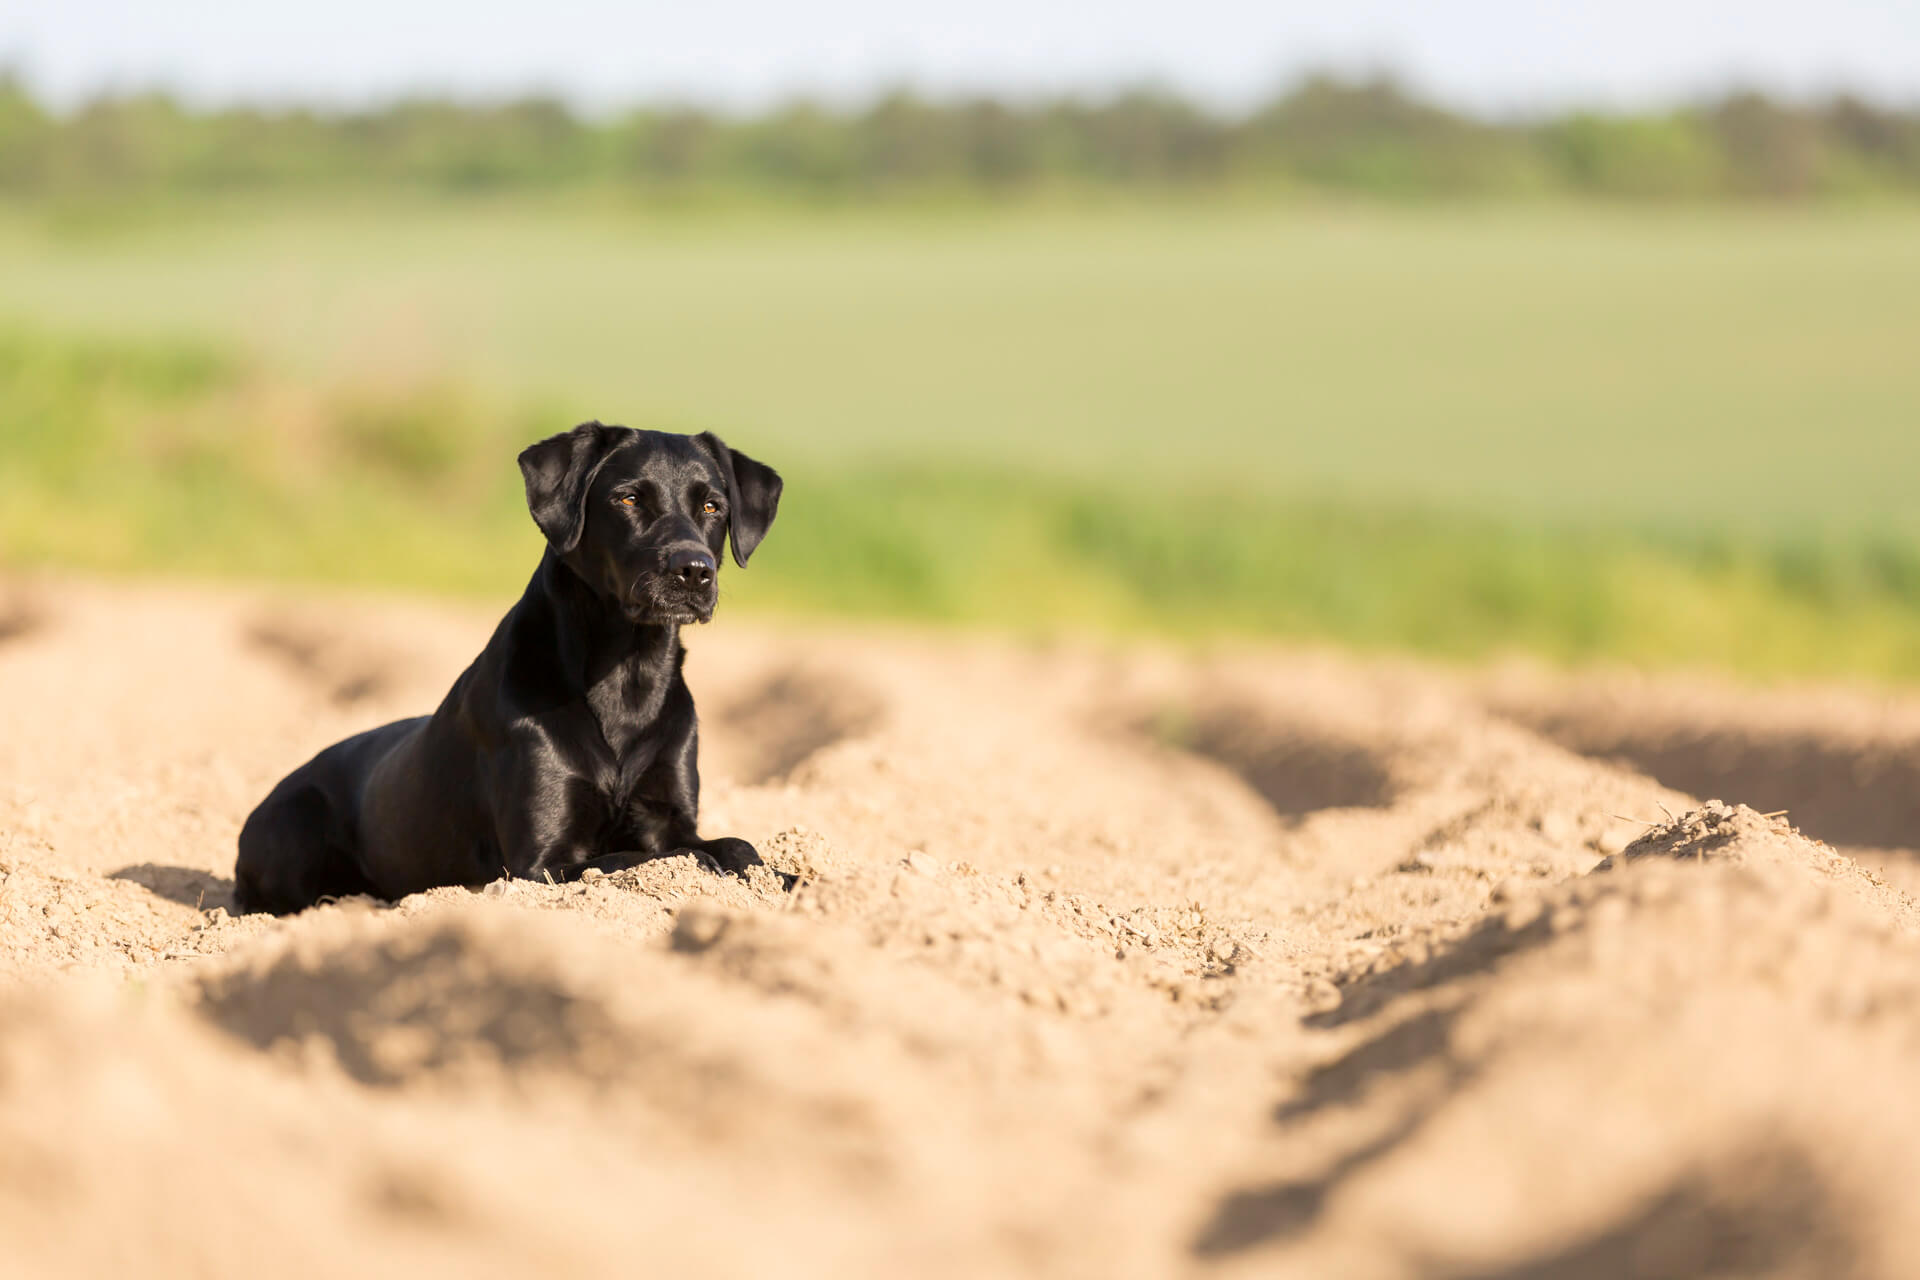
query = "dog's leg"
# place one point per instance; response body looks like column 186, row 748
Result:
column 672, row 792
column 293, row 854
column 735, row 857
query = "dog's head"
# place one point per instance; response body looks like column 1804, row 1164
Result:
column 642, row 516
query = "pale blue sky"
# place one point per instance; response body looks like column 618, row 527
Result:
column 1499, row 55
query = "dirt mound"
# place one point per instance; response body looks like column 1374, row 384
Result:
column 1120, row 964
column 1845, row 763
column 459, row 998
column 1638, row 1072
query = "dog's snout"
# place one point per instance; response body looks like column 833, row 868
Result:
column 692, row 567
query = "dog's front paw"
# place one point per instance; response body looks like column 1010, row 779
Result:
column 737, row 858
column 732, row 856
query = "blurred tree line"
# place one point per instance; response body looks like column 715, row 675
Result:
column 1366, row 136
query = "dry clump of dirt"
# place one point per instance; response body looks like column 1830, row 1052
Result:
column 1766, row 845
column 1126, row 964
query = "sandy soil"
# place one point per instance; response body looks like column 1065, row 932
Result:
column 1104, row 963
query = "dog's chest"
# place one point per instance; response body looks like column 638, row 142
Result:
column 627, row 707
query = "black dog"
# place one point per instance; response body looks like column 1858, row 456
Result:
column 570, row 741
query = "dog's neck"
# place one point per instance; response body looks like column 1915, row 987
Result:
column 604, row 655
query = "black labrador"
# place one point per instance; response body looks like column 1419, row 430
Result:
column 570, row 741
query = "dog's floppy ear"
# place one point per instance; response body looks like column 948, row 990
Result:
column 753, row 495
column 557, row 472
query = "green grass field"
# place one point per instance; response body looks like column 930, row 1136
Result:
column 1663, row 436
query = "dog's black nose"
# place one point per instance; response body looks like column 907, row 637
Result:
column 693, row 568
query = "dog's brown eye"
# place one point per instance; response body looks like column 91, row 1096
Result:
column 711, row 506
column 628, row 500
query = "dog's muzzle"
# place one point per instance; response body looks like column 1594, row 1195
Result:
column 687, row 588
